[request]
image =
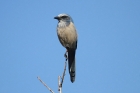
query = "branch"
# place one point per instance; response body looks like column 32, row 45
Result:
column 60, row 80
column 45, row 85
column 64, row 73
column 59, row 84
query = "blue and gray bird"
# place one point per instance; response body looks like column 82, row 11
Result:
column 67, row 36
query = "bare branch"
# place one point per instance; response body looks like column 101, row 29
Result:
column 62, row 79
column 59, row 85
column 45, row 85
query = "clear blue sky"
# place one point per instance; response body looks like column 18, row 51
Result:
column 107, row 57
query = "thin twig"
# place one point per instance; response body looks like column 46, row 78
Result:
column 62, row 79
column 45, row 85
column 59, row 85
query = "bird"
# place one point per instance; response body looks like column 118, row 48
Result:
column 67, row 36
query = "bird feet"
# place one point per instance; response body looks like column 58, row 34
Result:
column 65, row 55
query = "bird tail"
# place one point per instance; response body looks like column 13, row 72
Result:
column 71, row 62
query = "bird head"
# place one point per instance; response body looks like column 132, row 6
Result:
column 63, row 18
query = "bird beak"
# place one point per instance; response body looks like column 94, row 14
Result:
column 56, row 17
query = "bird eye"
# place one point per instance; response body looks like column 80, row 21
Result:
column 64, row 16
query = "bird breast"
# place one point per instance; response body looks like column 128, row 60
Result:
column 67, row 35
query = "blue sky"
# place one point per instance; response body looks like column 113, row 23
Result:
column 107, row 57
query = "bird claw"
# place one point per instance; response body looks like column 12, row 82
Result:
column 65, row 55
